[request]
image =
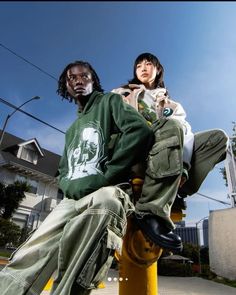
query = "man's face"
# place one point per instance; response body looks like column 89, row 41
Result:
column 79, row 82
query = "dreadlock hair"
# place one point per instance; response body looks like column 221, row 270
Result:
column 62, row 89
column 158, row 82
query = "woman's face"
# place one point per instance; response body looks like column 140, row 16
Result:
column 146, row 73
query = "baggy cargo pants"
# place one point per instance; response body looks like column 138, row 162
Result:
column 165, row 166
column 77, row 239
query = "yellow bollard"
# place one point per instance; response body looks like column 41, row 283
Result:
column 49, row 284
column 177, row 215
column 138, row 262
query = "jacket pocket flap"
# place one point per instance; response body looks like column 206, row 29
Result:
column 172, row 141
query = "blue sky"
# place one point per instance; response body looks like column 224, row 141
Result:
column 194, row 41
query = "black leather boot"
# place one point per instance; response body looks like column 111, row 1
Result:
column 154, row 229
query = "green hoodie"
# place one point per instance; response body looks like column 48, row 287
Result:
column 87, row 163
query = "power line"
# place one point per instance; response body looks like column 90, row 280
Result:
column 222, row 202
column 28, row 114
column 27, row 61
column 41, row 70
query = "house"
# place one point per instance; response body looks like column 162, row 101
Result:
column 26, row 160
column 178, row 258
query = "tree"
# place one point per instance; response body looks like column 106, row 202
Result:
column 233, row 143
column 10, row 197
column 10, row 233
column 190, row 251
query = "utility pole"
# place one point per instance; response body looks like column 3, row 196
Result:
column 199, row 243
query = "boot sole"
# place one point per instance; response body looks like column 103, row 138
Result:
column 158, row 242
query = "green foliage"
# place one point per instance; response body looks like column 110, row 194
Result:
column 5, row 253
column 9, row 233
column 25, row 233
column 231, row 283
column 10, row 197
column 223, row 172
column 234, row 139
column 173, row 268
column 233, row 143
column 190, row 251
column 209, row 275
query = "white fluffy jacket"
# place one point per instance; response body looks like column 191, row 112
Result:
column 160, row 103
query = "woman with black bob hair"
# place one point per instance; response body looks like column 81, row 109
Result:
column 179, row 160
column 158, row 82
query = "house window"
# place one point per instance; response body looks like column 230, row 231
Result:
column 60, row 194
column 31, row 220
column 33, row 184
column 28, row 153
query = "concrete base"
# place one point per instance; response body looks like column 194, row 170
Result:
column 222, row 242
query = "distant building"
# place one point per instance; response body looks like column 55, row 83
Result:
column 180, row 223
column 205, row 233
column 187, row 234
column 25, row 160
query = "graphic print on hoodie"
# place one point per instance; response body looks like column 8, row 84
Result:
column 85, row 152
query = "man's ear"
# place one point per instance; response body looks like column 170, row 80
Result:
column 67, row 83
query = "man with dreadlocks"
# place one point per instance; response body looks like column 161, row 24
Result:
column 80, row 235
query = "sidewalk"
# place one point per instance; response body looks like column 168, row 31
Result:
column 192, row 286
column 170, row 286
column 166, row 285
column 175, row 286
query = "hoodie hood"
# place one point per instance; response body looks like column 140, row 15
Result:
column 90, row 104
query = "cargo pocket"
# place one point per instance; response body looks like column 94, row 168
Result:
column 165, row 158
column 97, row 266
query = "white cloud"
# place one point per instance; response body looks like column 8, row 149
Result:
column 52, row 141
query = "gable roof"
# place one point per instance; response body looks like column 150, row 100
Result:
column 34, row 142
column 47, row 164
column 176, row 257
